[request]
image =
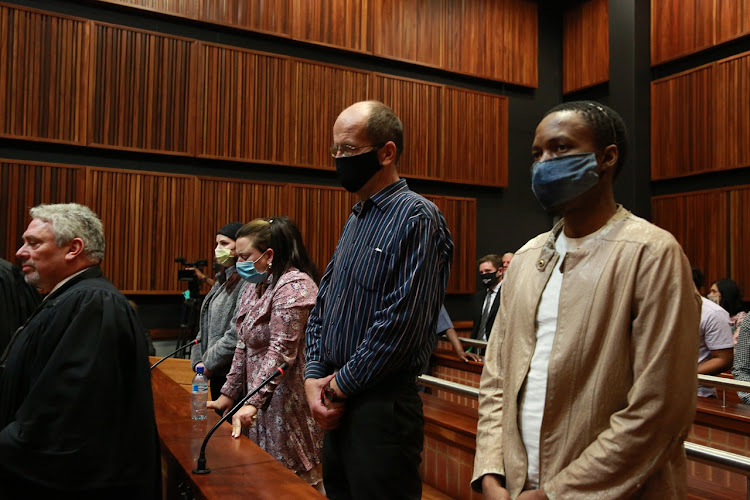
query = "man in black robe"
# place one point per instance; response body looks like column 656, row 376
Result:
column 18, row 300
column 76, row 409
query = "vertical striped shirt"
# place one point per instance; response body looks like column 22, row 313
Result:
column 378, row 303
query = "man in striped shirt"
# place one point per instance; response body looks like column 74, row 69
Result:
column 373, row 324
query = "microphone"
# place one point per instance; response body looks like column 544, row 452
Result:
column 202, row 469
column 192, row 342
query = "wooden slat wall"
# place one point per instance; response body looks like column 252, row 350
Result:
column 682, row 124
column 680, row 27
column 149, row 220
column 495, row 39
column 585, row 45
column 152, row 218
column 475, row 136
column 731, row 107
column 732, row 19
column 410, row 31
column 24, row 185
column 699, row 222
column 739, row 238
column 43, row 64
column 141, row 86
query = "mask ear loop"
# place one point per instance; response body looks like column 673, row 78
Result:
column 609, row 118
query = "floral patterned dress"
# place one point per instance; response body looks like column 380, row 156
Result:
column 271, row 330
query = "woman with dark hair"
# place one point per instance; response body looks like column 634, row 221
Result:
column 271, row 318
column 216, row 334
column 726, row 293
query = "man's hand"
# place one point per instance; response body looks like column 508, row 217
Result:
column 327, row 414
column 466, row 356
column 206, row 371
column 492, row 489
column 244, row 418
column 223, row 404
column 532, row 495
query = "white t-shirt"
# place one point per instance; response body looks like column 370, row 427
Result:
column 715, row 334
column 534, row 391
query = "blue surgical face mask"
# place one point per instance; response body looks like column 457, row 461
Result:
column 564, row 178
column 247, row 271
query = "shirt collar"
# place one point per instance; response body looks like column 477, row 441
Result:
column 382, row 199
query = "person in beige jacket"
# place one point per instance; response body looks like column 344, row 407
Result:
column 589, row 384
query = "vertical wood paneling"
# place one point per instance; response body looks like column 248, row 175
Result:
column 244, row 110
column 475, row 138
column 340, row 23
column 257, row 15
column 739, row 239
column 493, row 39
column 43, row 87
column 731, row 134
column 680, row 27
column 461, row 216
column 182, row 8
column 585, row 45
column 682, row 124
column 149, row 220
column 418, row 105
column 732, row 19
column 699, row 223
column 141, row 91
column 25, row 185
column 409, row 31
column 320, row 94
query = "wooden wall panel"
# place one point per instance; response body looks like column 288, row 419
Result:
column 257, row 15
column 461, row 216
column 321, row 92
column 410, row 31
column 475, row 138
column 24, row 185
column 682, row 124
column 244, row 108
column 494, row 39
column 680, row 27
column 739, row 239
column 141, row 91
column 585, row 45
column 418, row 105
column 43, row 67
column 731, row 107
column 732, row 19
column 339, row 23
column 699, row 222
column 183, row 8
column 149, row 220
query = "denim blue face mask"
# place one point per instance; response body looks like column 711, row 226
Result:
column 247, row 271
column 564, row 178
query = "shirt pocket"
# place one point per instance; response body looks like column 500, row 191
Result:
column 372, row 268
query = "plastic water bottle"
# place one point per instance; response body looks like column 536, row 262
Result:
column 200, row 395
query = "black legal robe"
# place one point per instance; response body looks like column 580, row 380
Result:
column 17, row 301
column 76, row 408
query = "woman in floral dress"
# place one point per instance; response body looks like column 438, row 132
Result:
column 271, row 318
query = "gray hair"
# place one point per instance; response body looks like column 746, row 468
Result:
column 71, row 220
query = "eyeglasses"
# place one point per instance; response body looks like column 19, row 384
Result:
column 347, row 150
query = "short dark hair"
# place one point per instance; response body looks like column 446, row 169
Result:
column 698, row 279
column 383, row 125
column 493, row 259
column 283, row 235
column 731, row 298
column 606, row 124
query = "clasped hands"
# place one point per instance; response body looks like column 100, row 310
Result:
column 326, row 412
column 243, row 419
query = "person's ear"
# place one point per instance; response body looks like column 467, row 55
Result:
column 75, row 248
column 609, row 159
column 387, row 154
column 269, row 254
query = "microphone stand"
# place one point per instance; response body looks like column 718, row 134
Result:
column 202, row 469
column 192, row 342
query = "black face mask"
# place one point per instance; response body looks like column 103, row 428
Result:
column 355, row 171
column 489, row 279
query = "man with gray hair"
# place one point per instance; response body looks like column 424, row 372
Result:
column 76, row 409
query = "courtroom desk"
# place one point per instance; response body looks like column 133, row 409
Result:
column 239, row 468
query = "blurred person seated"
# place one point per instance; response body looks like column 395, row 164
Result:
column 445, row 327
column 715, row 351
column 741, row 367
column 726, row 293
column 18, row 300
column 507, row 257
column 271, row 318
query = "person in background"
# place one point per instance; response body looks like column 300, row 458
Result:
column 217, row 335
column 507, row 257
column 76, row 408
column 741, row 366
column 726, row 293
column 445, row 326
column 716, row 348
column 486, row 302
column 271, row 316
column 146, row 333
column 18, row 300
